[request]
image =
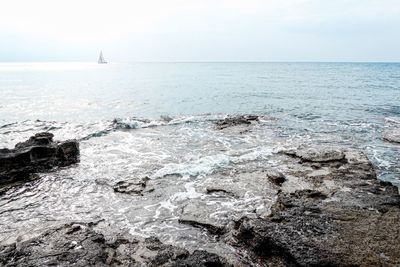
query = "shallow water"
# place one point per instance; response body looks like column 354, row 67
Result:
column 302, row 103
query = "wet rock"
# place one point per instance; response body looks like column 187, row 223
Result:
column 239, row 182
column 129, row 123
column 166, row 118
column 81, row 244
column 202, row 259
column 132, row 187
column 276, row 177
column 345, row 218
column 320, row 154
column 217, row 190
column 392, row 135
column 237, row 120
column 392, row 130
column 38, row 154
column 197, row 214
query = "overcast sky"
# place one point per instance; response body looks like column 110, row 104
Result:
column 200, row 30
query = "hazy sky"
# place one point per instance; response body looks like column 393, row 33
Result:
column 200, row 30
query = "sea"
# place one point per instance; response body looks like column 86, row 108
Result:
column 157, row 120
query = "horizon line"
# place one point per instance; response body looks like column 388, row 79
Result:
column 206, row 61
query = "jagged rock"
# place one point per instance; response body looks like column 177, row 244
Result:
column 346, row 218
column 237, row 120
column 38, row 154
column 392, row 135
column 80, row 244
column 132, row 187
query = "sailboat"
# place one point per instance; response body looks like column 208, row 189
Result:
column 101, row 59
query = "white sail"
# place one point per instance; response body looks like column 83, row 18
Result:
column 101, row 58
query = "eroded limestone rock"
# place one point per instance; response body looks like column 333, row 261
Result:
column 346, row 217
column 38, row 154
column 80, row 244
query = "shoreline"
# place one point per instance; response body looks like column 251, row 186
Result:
column 319, row 206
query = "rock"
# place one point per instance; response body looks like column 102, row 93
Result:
column 196, row 214
column 80, row 244
column 166, row 118
column 201, row 258
column 276, row 177
column 320, row 154
column 392, row 135
column 345, row 218
column 128, row 123
column 131, row 187
column 38, row 154
column 237, row 120
column 216, row 190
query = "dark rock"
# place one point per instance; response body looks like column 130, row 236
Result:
column 237, row 120
column 276, row 177
column 211, row 228
column 132, row 187
column 352, row 222
column 67, row 153
column 81, row 244
column 38, row 154
column 212, row 190
column 131, row 123
column 201, row 258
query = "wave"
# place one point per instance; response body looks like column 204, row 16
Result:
column 209, row 164
column 86, row 131
column 392, row 120
column 131, row 123
column 137, row 123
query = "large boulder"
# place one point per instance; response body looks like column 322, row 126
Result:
column 38, row 154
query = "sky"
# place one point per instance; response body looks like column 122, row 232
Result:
column 200, row 30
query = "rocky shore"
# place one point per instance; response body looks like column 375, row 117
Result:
column 80, row 244
column 344, row 217
column 323, row 206
column 38, row 154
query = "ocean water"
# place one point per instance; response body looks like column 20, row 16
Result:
column 157, row 120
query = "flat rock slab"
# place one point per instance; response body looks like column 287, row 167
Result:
column 392, row 135
column 198, row 214
column 321, row 154
column 79, row 244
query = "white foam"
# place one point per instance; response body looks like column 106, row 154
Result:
column 258, row 154
column 202, row 166
column 393, row 120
